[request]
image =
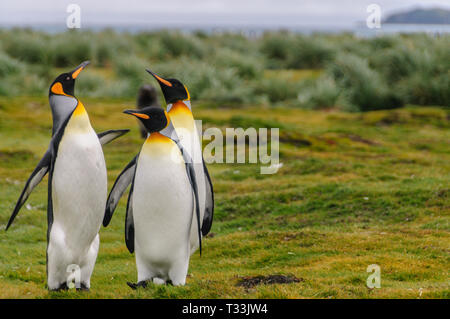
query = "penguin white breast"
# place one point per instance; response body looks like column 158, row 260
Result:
column 162, row 202
column 79, row 184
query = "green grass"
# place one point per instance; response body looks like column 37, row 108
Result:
column 355, row 189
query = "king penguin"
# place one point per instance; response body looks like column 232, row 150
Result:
column 179, row 108
column 177, row 98
column 162, row 202
column 77, row 186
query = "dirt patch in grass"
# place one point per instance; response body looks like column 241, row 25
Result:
column 357, row 138
column 250, row 282
column 294, row 138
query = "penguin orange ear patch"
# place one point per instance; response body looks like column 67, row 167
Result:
column 58, row 89
column 167, row 118
column 188, row 95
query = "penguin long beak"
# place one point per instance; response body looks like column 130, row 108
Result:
column 159, row 79
column 79, row 68
column 137, row 114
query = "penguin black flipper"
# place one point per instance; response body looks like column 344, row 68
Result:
column 120, row 185
column 191, row 174
column 108, row 136
column 129, row 222
column 35, row 178
column 209, row 205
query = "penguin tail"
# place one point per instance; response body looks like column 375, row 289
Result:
column 132, row 285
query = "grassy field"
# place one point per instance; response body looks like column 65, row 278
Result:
column 355, row 189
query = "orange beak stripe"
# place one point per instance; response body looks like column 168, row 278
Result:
column 142, row 116
column 75, row 74
column 162, row 80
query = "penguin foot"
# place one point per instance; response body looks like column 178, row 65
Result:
column 134, row 286
column 145, row 283
column 62, row 287
column 83, row 287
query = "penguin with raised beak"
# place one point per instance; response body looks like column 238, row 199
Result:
column 77, row 186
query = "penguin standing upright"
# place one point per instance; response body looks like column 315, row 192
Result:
column 180, row 111
column 161, row 203
column 77, row 185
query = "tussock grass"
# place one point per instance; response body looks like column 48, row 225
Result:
column 277, row 68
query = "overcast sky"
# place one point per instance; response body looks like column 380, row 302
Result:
column 219, row 12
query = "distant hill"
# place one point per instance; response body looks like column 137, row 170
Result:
column 421, row 16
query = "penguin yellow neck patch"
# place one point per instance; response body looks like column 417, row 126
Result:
column 157, row 137
column 79, row 122
column 180, row 107
column 182, row 116
column 158, row 145
column 79, row 110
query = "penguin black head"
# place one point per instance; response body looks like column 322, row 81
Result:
column 154, row 118
column 64, row 84
column 173, row 89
